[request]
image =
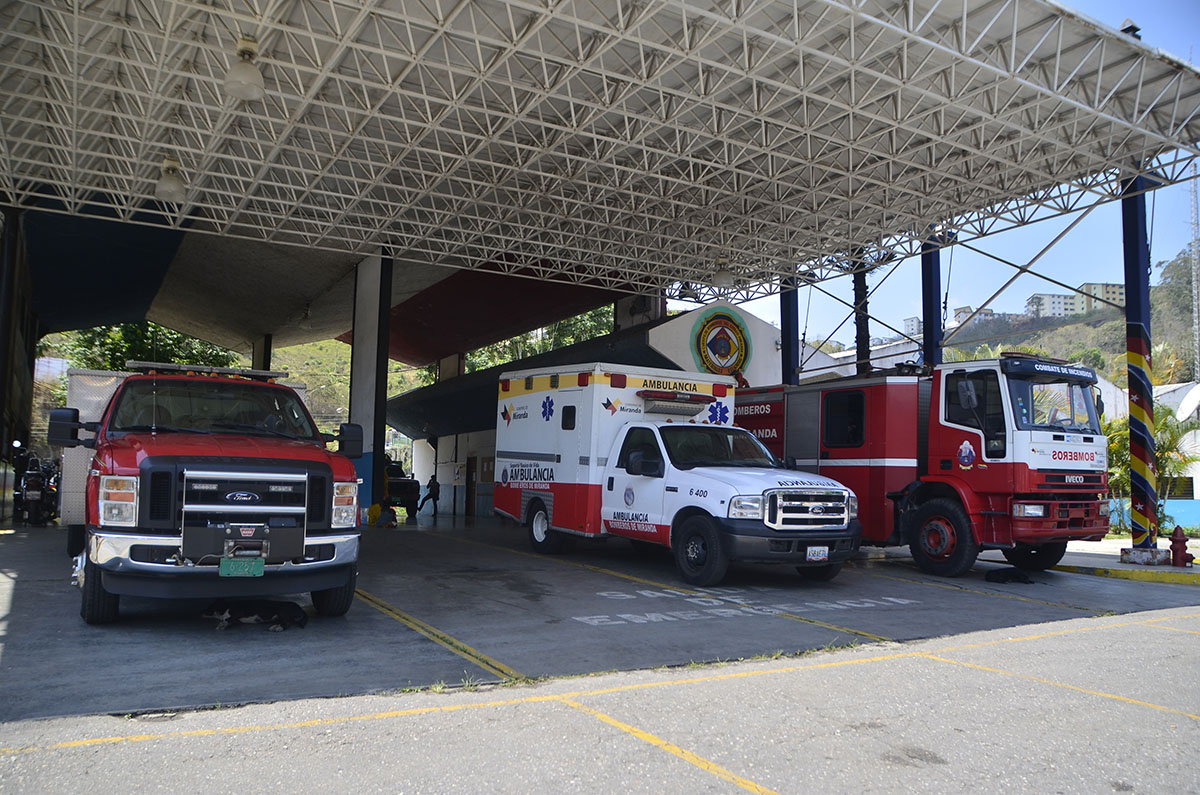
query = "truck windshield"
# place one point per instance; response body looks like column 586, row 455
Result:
column 195, row 406
column 1053, row 405
column 708, row 446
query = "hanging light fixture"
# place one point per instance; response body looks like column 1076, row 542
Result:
column 243, row 80
column 170, row 186
column 722, row 277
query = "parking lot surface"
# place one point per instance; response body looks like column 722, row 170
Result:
column 465, row 603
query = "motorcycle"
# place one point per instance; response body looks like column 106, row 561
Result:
column 39, row 491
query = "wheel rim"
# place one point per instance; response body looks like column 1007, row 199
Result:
column 939, row 540
column 541, row 526
column 695, row 551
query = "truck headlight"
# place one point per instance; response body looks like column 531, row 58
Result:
column 1030, row 510
column 746, row 507
column 852, row 507
column 118, row 501
column 345, row 505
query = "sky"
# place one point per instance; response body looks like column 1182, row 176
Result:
column 1091, row 252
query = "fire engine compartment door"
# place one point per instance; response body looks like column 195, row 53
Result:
column 803, row 431
column 632, row 505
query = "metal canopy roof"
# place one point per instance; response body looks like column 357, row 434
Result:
column 624, row 144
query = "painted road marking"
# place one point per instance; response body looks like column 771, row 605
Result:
column 441, row 638
column 736, row 675
column 1063, row 685
column 964, row 589
column 778, row 614
column 704, row 764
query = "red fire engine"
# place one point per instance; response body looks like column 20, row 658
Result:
column 998, row 454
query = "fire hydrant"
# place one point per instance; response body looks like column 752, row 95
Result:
column 1179, row 554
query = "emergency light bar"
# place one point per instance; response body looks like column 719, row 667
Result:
column 684, row 404
column 197, row 369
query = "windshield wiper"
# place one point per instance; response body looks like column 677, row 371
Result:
column 252, row 429
column 164, row 428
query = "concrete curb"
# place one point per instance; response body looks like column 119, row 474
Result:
column 1170, row 575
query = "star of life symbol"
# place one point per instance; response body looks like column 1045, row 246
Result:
column 718, row 413
column 547, row 409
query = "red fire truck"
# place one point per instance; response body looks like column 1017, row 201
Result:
column 997, row 454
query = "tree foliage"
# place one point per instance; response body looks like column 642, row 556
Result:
column 589, row 325
column 110, row 347
column 1174, row 452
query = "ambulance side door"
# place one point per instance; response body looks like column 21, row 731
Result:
column 634, row 486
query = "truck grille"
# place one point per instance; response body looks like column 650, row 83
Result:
column 194, row 491
column 220, row 497
column 806, row 510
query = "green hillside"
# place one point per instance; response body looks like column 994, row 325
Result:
column 1098, row 338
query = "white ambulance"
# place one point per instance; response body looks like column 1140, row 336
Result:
column 595, row 450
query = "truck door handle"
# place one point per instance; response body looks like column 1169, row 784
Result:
column 824, row 454
column 610, row 482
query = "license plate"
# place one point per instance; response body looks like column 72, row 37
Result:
column 33, row 495
column 242, row 567
column 818, row 554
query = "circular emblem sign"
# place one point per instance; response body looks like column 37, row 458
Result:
column 721, row 344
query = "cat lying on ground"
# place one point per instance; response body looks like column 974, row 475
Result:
column 280, row 615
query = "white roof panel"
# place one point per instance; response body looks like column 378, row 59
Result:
column 623, row 143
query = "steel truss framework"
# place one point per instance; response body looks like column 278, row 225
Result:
column 622, row 143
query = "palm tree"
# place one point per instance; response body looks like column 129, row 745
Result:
column 1174, row 452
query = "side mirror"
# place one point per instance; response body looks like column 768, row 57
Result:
column 350, row 440
column 789, row 462
column 1099, row 402
column 64, row 428
column 966, row 394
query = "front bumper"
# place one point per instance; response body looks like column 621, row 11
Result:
column 144, row 571
column 750, row 541
column 1065, row 521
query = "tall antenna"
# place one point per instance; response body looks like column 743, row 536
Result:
column 1195, row 246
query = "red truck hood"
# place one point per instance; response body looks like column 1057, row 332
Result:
column 130, row 450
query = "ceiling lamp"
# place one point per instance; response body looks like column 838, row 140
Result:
column 170, row 187
column 723, row 277
column 243, row 80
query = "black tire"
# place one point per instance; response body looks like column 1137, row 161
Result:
column 1036, row 557
column 336, row 601
column 699, row 557
column 941, row 540
column 96, row 606
column 410, row 508
column 820, row 573
column 76, row 540
column 37, row 517
column 541, row 537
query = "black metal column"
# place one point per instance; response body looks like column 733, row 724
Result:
column 931, row 291
column 862, row 326
column 8, row 275
column 789, row 330
column 379, row 428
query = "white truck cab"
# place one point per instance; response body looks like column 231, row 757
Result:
column 594, row 450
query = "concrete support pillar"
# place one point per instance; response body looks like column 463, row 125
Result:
column 447, row 461
column 368, row 370
column 260, row 358
column 789, row 330
column 931, row 293
column 862, row 326
column 1143, row 511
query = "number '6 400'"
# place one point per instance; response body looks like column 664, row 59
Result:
column 701, row 493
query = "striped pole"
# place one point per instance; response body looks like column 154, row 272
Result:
column 1143, row 512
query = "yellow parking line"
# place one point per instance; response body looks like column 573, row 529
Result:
column 675, row 588
column 575, row 695
column 1063, row 685
column 375, row 716
column 1177, row 629
column 699, row 761
column 1150, row 574
column 441, row 638
column 964, row 589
